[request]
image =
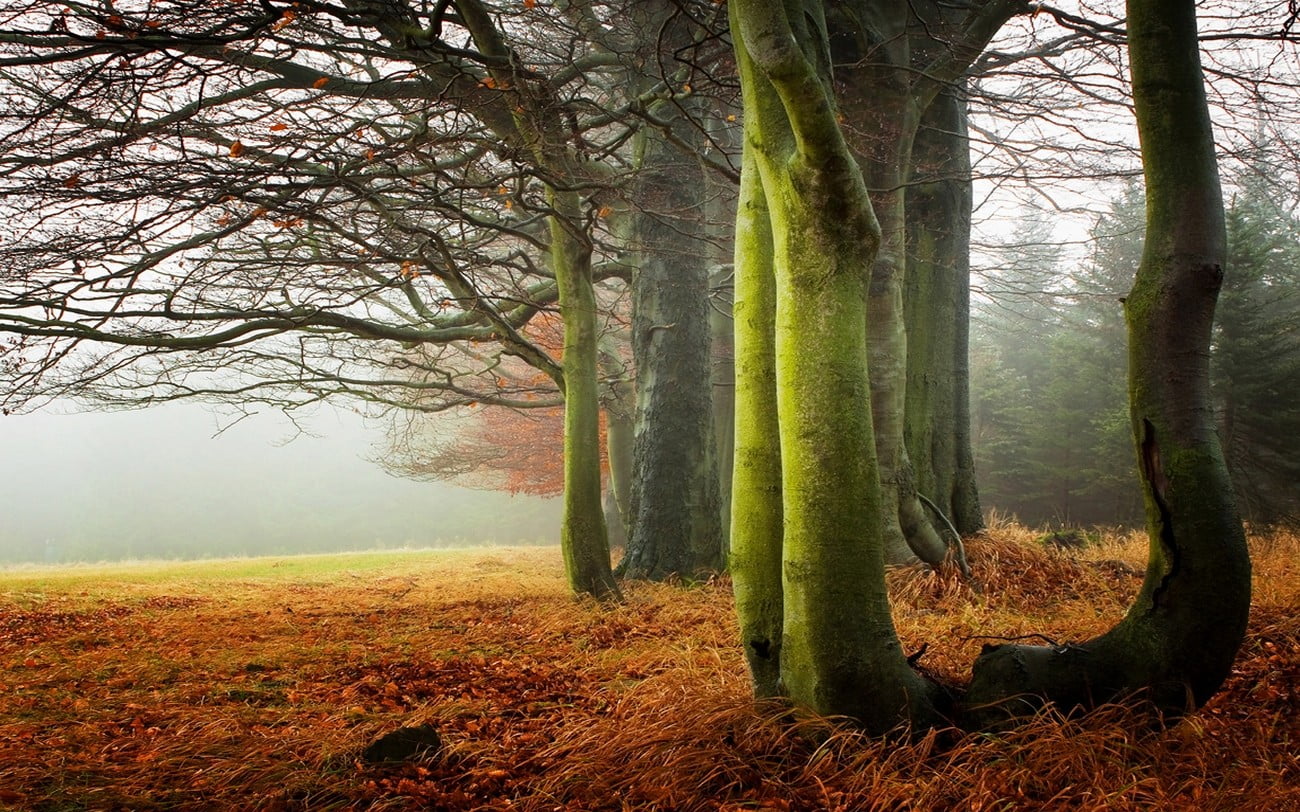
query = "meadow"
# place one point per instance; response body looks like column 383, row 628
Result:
column 256, row 684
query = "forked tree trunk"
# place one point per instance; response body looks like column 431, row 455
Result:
column 879, row 100
column 1178, row 640
column 838, row 651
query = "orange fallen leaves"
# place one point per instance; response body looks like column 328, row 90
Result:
column 249, row 692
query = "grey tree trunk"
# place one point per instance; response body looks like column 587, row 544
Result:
column 936, row 296
column 619, row 402
column 676, row 524
column 892, row 61
column 722, row 292
column 1178, row 640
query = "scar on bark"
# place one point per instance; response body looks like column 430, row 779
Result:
column 1154, row 473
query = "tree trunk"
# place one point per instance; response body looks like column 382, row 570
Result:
column 1178, row 640
column 721, row 296
column 936, row 300
column 676, row 525
column 838, row 650
column 756, row 517
column 534, row 124
column 879, row 99
column 583, row 537
column 619, row 403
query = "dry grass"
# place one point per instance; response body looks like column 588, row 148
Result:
column 254, row 684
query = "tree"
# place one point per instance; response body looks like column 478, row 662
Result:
column 808, row 518
column 675, row 521
column 286, row 203
column 894, row 61
column 809, row 563
column 1179, row 638
column 809, row 570
column 1257, row 353
column 1054, row 440
column 936, row 299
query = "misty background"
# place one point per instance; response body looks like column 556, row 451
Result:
column 166, row 482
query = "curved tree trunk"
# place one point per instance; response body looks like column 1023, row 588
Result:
column 1178, row 640
column 936, row 296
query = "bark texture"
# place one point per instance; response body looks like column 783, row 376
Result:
column 936, row 296
column 892, row 61
column 533, row 125
column 756, row 512
column 1177, row 642
column 675, row 522
column 721, row 296
column 838, row 651
column 583, row 536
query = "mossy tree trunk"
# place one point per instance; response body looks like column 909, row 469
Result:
column 756, row 513
column 1178, row 640
column 837, row 651
column 936, row 300
column 533, row 125
column 583, row 534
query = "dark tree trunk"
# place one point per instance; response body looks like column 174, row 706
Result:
column 675, row 519
column 936, row 296
column 1178, row 640
column 675, row 525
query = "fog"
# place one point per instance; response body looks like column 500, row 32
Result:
column 167, row 482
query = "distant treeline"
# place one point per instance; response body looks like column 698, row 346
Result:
column 1049, row 359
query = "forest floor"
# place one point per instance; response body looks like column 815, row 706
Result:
column 256, row 683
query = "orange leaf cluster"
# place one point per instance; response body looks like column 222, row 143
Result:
column 285, row 19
